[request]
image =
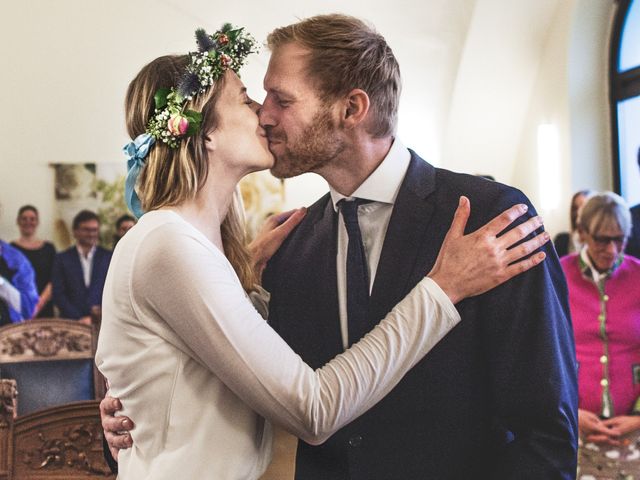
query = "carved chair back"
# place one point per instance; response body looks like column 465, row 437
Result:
column 63, row 442
column 52, row 361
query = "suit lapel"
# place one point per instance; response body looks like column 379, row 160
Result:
column 95, row 267
column 76, row 267
column 398, row 268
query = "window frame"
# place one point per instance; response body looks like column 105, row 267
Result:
column 622, row 85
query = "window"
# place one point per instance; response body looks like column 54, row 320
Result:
column 625, row 99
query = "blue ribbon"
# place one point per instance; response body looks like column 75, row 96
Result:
column 136, row 153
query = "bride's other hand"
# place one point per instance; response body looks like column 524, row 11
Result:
column 274, row 231
column 469, row 265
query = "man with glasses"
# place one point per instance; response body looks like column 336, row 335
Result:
column 79, row 272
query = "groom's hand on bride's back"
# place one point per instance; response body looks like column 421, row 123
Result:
column 116, row 428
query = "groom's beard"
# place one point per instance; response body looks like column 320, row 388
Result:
column 314, row 147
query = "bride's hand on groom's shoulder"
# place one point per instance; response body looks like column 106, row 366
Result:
column 274, row 231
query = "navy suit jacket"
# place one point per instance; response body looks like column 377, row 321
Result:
column 495, row 399
column 633, row 245
column 70, row 294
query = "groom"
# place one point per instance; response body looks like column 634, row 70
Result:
column 497, row 398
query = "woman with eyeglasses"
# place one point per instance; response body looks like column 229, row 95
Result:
column 604, row 297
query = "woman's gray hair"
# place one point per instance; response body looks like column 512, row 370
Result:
column 602, row 210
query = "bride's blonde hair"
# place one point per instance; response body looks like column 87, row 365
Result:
column 173, row 175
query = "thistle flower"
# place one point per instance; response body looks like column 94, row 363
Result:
column 205, row 42
column 189, row 84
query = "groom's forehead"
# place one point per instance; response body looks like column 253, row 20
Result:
column 289, row 60
column 284, row 79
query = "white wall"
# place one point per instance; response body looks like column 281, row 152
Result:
column 548, row 105
column 476, row 76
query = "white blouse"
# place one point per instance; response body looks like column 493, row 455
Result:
column 197, row 368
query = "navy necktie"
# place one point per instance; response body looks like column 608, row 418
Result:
column 357, row 272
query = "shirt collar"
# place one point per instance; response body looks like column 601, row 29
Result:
column 89, row 255
column 589, row 271
column 384, row 182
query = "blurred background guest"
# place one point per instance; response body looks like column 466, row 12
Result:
column 40, row 254
column 18, row 294
column 569, row 242
column 604, row 297
column 123, row 224
column 633, row 245
column 79, row 272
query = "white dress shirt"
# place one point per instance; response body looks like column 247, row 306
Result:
column 382, row 187
column 87, row 264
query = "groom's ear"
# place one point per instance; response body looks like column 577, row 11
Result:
column 356, row 107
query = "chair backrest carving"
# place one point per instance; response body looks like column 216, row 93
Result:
column 43, row 339
column 59, row 442
column 52, row 361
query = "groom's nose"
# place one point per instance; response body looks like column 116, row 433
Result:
column 265, row 113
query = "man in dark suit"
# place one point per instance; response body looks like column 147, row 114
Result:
column 633, row 244
column 79, row 272
column 497, row 398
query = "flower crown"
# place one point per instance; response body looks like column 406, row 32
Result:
column 225, row 49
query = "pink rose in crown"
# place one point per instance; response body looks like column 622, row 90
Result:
column 225, row 60
column 178, row 125
column 222, row 39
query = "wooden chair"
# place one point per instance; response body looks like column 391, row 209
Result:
column 59, row 443
column 52, row 362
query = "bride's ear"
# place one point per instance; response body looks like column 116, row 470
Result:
column 210, row 142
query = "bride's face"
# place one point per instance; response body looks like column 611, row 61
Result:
column 239, row 141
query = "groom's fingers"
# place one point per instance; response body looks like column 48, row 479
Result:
column 118, row 441
column 109, row 405
column 116, row 424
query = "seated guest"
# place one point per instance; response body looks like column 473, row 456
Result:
column 18, row 294
column 569, row 242
column 604, row 297
column 633, row 245
column 40, row 254
column 123, row 225
column 79, row 272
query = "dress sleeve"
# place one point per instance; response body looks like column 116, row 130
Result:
column 184, row 282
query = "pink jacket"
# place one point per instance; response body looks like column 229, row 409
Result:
column 620, row 306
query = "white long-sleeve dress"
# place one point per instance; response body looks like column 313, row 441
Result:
column 198, row 369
